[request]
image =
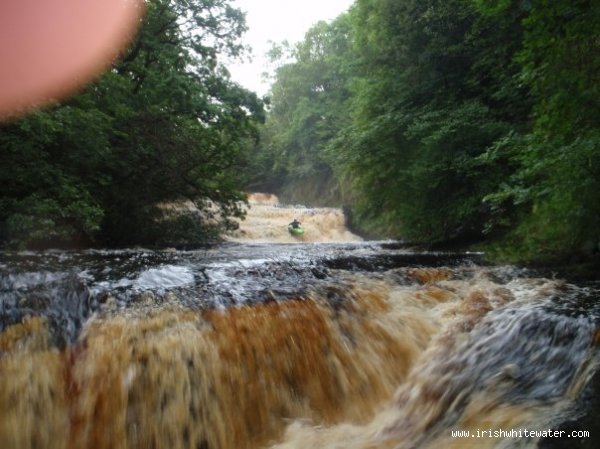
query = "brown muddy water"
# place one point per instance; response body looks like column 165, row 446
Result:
column 335, row 344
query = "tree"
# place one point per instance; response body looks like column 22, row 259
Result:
column 554, row 188
column 307, row 109
column 435, row 88
column 164, row 124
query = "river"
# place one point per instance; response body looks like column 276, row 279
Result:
column 268, row 341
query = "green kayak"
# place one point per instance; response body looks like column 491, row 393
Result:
column 296, row 230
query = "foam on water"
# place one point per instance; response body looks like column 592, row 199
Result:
column 358, row 345
column 384, row 359
column 267, row 222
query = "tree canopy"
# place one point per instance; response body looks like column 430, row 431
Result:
column 164, row 124
column 308, row 108
column 459, row 121
column 465, row 122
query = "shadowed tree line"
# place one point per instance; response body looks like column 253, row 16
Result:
column 446, row 122
column 437, row 122
column 164, row 124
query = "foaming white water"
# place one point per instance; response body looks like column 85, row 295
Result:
column 497, row 361
column 357, row 358
column 168, row 276
column 267, row 221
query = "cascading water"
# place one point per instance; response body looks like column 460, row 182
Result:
column 266, row 222
column 311, row 345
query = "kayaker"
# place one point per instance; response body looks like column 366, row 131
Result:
column 295, row 224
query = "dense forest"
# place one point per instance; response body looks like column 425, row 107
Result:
column 447, row 122
column 463, row 122
column 164, row 124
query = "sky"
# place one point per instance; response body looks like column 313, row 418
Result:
column 277, row 20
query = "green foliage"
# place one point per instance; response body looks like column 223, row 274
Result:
column 307, row 109
column 438, row 121
column 492, row 7
column 164, row 124
column 554, row 189
column 449, row 121
column 435, row 89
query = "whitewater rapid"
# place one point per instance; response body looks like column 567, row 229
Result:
column 290, row 344
column 267, row 220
